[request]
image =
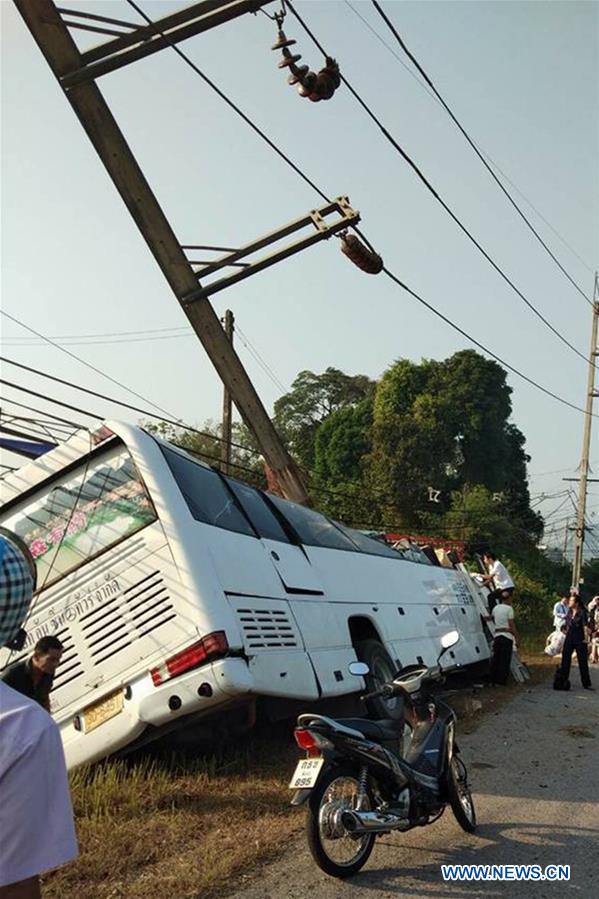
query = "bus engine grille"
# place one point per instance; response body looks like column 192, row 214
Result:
column 70, row 667
column 132, row 614
column 267, row 629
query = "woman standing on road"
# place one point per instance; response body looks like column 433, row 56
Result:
column 576, row 640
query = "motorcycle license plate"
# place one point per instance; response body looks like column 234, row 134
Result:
column 306, row 774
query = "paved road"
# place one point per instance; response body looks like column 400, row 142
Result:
column 535, row 772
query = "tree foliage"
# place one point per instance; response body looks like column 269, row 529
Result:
column 311, row 401
column 373, row 450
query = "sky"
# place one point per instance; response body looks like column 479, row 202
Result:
column 522, row 77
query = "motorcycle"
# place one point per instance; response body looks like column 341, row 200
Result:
column 362, row 778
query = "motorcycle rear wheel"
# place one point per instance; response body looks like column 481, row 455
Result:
column 460, row 797
column 333, row 849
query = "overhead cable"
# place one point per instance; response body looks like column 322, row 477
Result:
column 458, row 124
column 82, row 361
column 407, row 158
column 102, row 396
column 358, row 231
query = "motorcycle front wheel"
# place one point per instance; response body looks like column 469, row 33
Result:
column 333, row 848
column 460, row 797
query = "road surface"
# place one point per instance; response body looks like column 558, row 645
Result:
column 534, row 766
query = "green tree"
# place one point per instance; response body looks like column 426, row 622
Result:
column 341, row 444
column 446, row 425
column 311, row 400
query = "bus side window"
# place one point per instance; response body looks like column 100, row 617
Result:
column 254, row 506
column 368, row 544
column 205, row 493
column 312, row 527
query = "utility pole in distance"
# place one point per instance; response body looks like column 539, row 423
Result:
column 567, row 528
column 586, row 443
column 225, row 447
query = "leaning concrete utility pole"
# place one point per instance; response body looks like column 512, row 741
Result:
column 76, row 73
column 586, row 444
column 227, row 431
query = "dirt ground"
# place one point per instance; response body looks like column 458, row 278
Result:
column 532, row 757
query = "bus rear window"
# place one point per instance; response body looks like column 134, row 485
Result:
column 80, row 515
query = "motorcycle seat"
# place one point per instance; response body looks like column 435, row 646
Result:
column 386, row 730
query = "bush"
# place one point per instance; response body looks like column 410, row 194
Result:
column 534, row 599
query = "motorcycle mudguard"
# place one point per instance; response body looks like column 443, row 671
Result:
column 300, row 796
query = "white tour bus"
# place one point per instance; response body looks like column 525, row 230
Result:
column 178, row 592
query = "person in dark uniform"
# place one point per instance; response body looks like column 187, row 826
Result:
column 576, row 641
column 33, row 677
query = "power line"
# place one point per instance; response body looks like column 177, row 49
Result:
column 229, row 102
column 324, row 196
column 109, row 399
column 259, row 359
column 126, row 341
column 481, row 346
column 76, row 425
column 428, row 80
column 485, row 154
column 82, row 361
column 405, row 156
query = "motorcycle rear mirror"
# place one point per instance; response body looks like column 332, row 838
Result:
column 450, row 639
column 447, row 641
column 359, row 669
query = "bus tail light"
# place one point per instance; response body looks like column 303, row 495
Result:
column 212, row 646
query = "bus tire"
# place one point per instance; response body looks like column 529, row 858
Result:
column 382, row 670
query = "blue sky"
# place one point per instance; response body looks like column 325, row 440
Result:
column 523, row 79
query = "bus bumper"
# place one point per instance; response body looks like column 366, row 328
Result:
column 202, row 689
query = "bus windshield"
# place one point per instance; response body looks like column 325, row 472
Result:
column 77, row 516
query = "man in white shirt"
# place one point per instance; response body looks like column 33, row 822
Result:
column 561, row 610
column 498, row 577
column 36, row 817
column 502, row 617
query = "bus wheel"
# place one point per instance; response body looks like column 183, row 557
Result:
column 382, row 671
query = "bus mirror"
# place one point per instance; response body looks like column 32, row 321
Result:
column 360, row 669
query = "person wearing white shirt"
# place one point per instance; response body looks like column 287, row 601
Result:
column 502, row 617
column 37, row 832
column 561, row 610
column 498, row 577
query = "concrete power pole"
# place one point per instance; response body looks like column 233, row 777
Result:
column 586, row 443
column 225, row 447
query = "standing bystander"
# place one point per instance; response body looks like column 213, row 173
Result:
column 36, row 817
column 33, row 677
column 594, row 629
column 502, row 617
column 576, row 641
column 561, row 611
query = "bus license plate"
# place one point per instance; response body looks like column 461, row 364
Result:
column 306, row 774
column 103, row 710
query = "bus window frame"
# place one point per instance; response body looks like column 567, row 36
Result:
column 83, row 463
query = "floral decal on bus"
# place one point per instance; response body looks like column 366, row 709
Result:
column 74, row 519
